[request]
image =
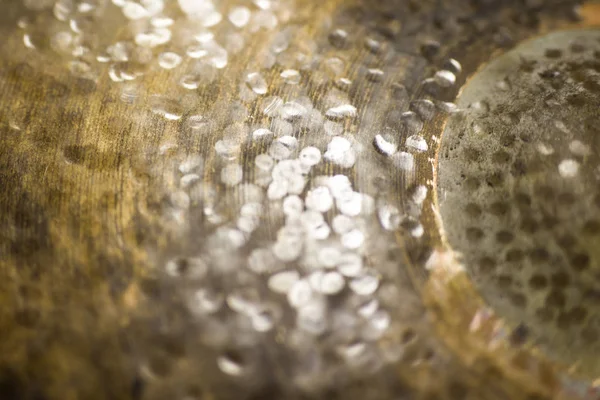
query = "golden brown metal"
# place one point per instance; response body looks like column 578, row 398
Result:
column 79, row 210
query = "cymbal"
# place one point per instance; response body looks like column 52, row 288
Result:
column 297, row 199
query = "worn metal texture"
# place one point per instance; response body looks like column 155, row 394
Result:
column 239, row 199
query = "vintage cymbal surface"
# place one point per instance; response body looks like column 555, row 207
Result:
column 277, row 199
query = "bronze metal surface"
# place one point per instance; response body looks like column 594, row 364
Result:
column 84, row 310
